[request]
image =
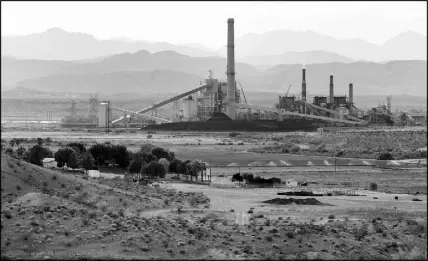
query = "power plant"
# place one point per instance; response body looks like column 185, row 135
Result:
column 217, row 106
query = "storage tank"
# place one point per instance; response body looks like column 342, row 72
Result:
column 189, row 108
column 103, row 115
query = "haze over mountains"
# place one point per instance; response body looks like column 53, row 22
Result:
column 58, row 61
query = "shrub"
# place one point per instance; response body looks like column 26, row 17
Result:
column 373, row 186
column 385, row 156
column 331, row 216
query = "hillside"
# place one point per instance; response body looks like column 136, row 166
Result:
column 405, row 46
column 58, row 44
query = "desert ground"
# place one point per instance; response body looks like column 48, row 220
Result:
column 55, row 214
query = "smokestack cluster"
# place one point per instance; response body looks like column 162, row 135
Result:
column 331, row 89
column 230, row 111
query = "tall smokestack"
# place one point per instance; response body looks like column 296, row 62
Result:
column 304, row 88
column 331, row 89
column 230, row 111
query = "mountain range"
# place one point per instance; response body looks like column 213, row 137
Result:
column 405, row 46
column 283, row 46
column 168, row 71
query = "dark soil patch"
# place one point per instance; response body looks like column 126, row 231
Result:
column 298, row 201
column 299, row 193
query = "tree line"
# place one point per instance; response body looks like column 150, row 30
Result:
column 148, row 160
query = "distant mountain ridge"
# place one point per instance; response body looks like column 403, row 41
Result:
column 405, row 46
column 58, row 44
column 309, row 57
column 15, row 70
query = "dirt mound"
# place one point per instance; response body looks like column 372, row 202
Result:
column 298, row 201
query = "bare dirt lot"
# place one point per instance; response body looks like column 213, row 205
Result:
column 48, row 214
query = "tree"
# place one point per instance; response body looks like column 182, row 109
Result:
column 155, row 170
column 20, row 152
column 72, row 160
column 150, row 157
column 161, row 153
column 37, row 153
column 181, row 168
column 173, row 166
column 78, row 147
column 137, row 162
column 120, row 155
column 195, row 167
column 66, row 156
column 147, row 148
column 165, row 163
column 88, row 161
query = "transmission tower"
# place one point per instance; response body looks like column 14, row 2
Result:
column 93, row 108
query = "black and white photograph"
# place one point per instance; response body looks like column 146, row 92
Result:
column 214, row 130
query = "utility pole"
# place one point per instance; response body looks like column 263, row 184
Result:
column 334, row 145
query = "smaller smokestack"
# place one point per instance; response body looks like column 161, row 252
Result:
column 388, row 102
column 351, row 93
column 331, row 89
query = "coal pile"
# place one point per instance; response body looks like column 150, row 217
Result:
column 299, row 193
column 298, row 201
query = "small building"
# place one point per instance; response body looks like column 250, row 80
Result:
column 49, row 163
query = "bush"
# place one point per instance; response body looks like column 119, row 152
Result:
column 373, row 186
column 385, row 156
column 234, row 134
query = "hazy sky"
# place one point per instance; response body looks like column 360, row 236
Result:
column 205, row 22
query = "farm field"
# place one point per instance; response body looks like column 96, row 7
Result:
column 50, row 214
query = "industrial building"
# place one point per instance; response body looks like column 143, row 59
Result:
column 216, row 105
